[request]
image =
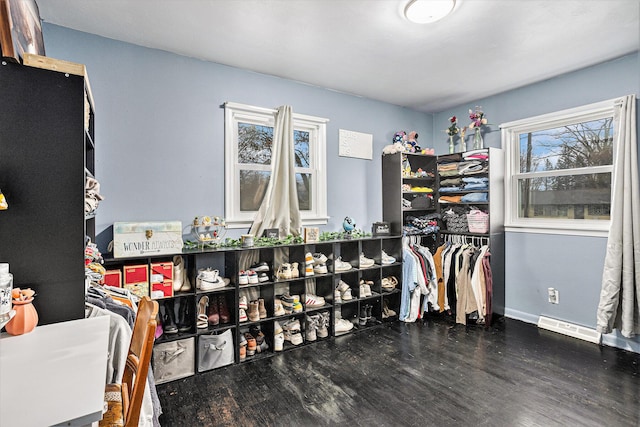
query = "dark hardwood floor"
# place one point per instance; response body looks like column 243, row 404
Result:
column 422, row 374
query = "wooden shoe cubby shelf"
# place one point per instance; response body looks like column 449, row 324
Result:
column 181, row 349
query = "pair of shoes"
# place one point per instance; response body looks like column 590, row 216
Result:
column 292, row 332
column 389, row 283
column 261, row 343
column 308, row 264
column 320, row 269
column 312, row 324
column 340, row 265
column 311, row 300
column 345, row 291
column 284, row 272
column 278, row 337
column 278, row 309
column 387, row 259
column 342, row 325
column 323, row 327
column 365, row 314
column 218, row 311
column 386, row 311
column 366, row 262
column 257, row 310
column 365, row 288
column 291, row 303
column 250, row 277
column 209, row 279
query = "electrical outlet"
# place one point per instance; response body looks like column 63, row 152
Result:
column 554, row 296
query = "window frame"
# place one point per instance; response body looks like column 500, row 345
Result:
column 317, row 128
column 510, row 133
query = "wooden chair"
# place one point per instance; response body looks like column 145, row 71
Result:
column 124, row 400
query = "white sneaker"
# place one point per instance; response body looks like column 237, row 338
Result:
column 319, row 258
column 242, row 302
column 242, row 315
column 243, row 278
column 366, row 262
column 278, row 341
column 342, row 325
column 386, row 259
column 312, row 326
column 320, row 269
column 363, row 292
column 278, row 309
column 346, row 295
column 208, row 280
column 340, row 265
column 292, row 332
column 323, row 326
column 313, row 301
column 336, row 297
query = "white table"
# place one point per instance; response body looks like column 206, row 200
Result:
column 55, row 374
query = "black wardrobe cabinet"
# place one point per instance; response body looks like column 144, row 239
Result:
column 46, row 150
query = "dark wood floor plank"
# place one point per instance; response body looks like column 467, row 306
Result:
column 431, row 373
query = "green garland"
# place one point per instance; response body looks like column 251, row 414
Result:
column 237, row 243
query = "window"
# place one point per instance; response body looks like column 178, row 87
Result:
column 248, row 149
column 558, row 172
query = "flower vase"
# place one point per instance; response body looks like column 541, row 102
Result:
column 478, row 142
column 25, row 320
column 452, row 147
column 462, row 145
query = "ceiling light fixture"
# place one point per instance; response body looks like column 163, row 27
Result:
column 428, row 11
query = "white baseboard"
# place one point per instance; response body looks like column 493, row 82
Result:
column 570, row 329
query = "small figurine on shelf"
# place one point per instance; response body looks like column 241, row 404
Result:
column 348, row 225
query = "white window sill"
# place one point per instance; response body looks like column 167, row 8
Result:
column 562, row 231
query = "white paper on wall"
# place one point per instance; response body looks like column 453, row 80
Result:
column 355, row 144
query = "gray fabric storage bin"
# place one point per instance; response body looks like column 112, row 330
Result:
column 215, row 351
column 173, row 360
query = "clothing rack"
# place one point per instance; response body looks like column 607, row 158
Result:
column 465, row 239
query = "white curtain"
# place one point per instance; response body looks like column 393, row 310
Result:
column 620, row 296
column 279, row 207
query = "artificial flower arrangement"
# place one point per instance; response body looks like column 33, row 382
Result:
column 477, row 118
column 453, row 129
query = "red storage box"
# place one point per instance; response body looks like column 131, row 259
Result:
column 136, row 279
column 113, row 278
column 163, row 268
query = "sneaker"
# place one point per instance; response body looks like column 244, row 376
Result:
column 278, row 341
column 320, row 269
column 243, row 278
column 242, row 315
column 253, row 277
column 308, row 270
column 297, row 307
column 366, row 285
column 346, row 295
column 308, row 258
column 292, row 332
column 263, row 277
column 242, row 302
column 323, row 325
column 363, row 292
column 260, row 267
column 313, row 301
column 336, row 297
column 341, row 265
column 295, row 273
column 251, row 344
column 319, row 258
column 342, row 326
column 277, row 329
column 284, row 271
column 366, row 262
column 208, row 280
column 288, row 300
column 342, row 286
column 243, row 347
column 312, row 323
column 386, row 259
column 278, row 309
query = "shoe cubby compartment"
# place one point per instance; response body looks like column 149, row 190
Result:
column 390, row 306
column 250, row 257
column 222, row 302
column 348, row 251
column 174, row 360
column 371, row 308
column 321, row 287
column 393, row 247
column 253, row 294
column 216, row 349
column 372, row 278
column 371, row 249
column 176, row 318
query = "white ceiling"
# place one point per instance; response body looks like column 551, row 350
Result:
column 367, row 48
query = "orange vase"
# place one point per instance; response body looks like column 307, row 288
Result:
column 25, row 320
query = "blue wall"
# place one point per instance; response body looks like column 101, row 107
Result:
column 160, row 131
column 160, row 148
column 535, row 262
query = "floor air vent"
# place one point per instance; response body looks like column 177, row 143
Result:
column 569, row 329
